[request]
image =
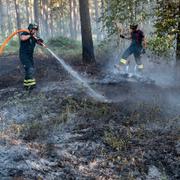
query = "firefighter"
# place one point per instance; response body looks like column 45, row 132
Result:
column 137, row 47
column 28, row 42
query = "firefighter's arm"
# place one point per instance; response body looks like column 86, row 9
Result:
column 144, row 43
column 128, row 38
column 25, row 37
column 124, row 37
column 39, row 41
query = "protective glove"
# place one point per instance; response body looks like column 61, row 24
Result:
column 122, row 36
column 39, row 41
column 143, row 51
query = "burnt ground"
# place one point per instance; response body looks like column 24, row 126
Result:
column 57, row 131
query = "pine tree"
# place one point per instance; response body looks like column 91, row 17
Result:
column 168, row 20
column 87, row 42
column 124, row 12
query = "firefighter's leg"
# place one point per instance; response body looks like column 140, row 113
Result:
column 124, row 64
column 27, row 61
column 139, row 68
column 29, row 80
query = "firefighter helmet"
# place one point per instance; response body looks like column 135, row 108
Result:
column 33, row 26
column 133, row 26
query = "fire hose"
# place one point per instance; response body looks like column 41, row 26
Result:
column 2, row 47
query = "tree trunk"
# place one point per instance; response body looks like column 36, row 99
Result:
column 18, row 20
column 10, row 27
column 36, row 11
column 51, row 25
column 75, row 18
column 27, row 12
column 178, row 53
column 102, row 14
column 97, row 20
column 102, row 7
column 109, row 7
column 71, row 19
column 87, row 42
column 45, row 18
column 78, row 20
column 178, row 41
column 64, row 28
column 1, row 17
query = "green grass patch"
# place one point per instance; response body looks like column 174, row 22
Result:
column 65, row 47
column 63, row 42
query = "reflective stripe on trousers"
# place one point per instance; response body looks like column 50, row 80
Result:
column 29, row 82
column 123, row 61
column 136, row 51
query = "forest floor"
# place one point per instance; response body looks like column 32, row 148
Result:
column 57, row 131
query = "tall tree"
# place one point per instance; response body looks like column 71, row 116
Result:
column 44, row 15
column 102, row 7
column 18, row 20
column 36, row 11
column 124, row 12
column 168, row 21
column 97, row 19
column 87, row 42
column 75, row 18
column 27, row 11
column 1, row 17
column 71, row 18
column 178, row 42
column 8, row 17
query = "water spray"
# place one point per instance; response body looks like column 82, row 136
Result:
column 68, row 68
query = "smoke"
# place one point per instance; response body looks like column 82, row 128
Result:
column 163, row 94
column 164, row 91
column 159, row 69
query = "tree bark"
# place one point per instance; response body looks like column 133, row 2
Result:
column 102, row 14
column 75, row 18
column 18, row 20
column 51, row 25
column 177, row 70
column 109, row 7
column 27, row 12
column 45, row 18
column 178, row 40
column 178, row 45
column 9, row 25
column 87, row 42
column 36, row 11
column 102, row 7
column 177, row 64
column 1, row 17
column 97, row 20
column 71, row 19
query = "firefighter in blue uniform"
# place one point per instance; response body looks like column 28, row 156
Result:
column 28, row 42
column 137, row 47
